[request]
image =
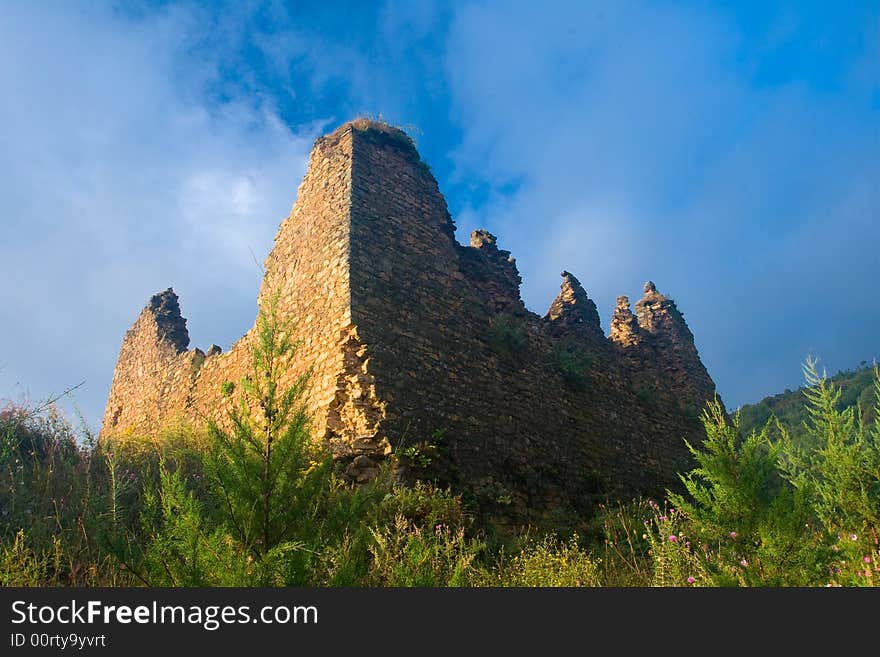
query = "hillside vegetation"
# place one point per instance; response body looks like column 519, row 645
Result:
column 791, row 408
column 260, row 504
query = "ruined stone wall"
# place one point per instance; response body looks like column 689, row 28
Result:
column 493, row 272
column 417, row 341
column 516, row 432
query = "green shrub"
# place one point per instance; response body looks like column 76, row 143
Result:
column 181, row 548
column 647, row 395
column 801, row 511
column 508, row 336
column 21, row 565
column 573, row 363
column 623, row 547
column 53, row 490
column 544, row 562
column 836, row 465
column 405, row 554
column 356, row 519
column 265, row 483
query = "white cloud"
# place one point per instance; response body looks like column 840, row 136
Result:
column 118, row 178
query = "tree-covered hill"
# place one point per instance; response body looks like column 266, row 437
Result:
column 789, row 407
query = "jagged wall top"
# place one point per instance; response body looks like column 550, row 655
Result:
column 573, row 309
column 165, row 308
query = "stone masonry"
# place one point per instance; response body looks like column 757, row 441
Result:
column 415, row 341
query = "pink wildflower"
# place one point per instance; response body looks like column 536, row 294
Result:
column 673, row 538
column 867, row 559
column 691, row 580
column 732, row 534
column 744, row 563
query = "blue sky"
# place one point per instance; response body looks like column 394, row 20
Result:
column 728, row 151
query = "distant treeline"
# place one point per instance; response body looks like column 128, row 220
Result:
column 790, row 407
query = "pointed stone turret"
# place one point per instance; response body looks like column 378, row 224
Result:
column 573, row 309
column 658, row 315
column 624, row 325
column 494, row 271
column 676, row 355
column 152, row 360
column 483, row 238
column 655, row 311
column 164, row 308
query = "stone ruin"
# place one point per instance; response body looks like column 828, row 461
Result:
column 417, row 341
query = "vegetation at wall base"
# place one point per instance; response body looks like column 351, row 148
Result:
column 258, row 504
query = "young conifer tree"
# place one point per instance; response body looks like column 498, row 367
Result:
column 182, row 548
column 267, row 473
column 743, row 510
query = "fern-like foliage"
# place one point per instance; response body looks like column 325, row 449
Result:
column 742, row 511
column 838, row 462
